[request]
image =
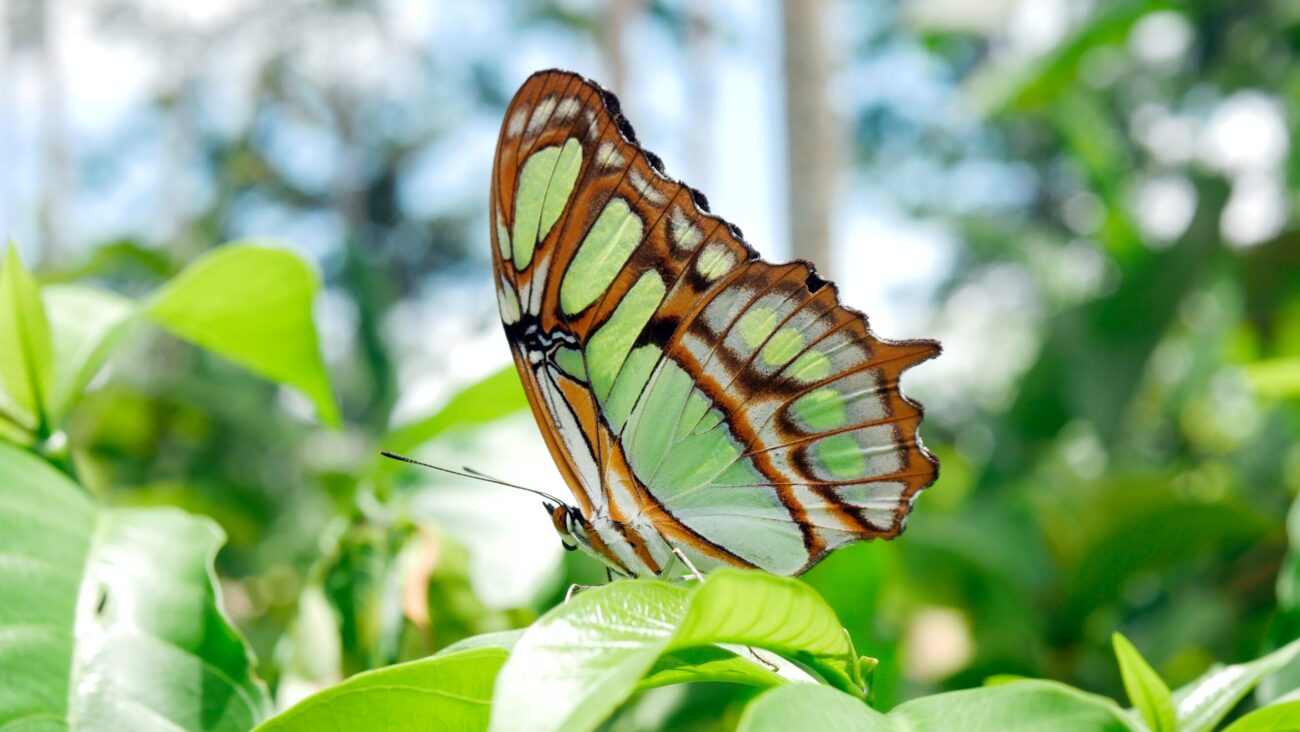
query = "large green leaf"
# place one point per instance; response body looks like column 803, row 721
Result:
column 1019, row 706
column 85, row 323
column 1201, row 704
column 110, row 617
column 26, row 354
column 446, row 692
column 1146, row 690
column 253, row 305
column 801, row 706
column 581, row 660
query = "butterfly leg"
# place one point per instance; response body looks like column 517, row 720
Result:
column 695, row 574
column 575, row 588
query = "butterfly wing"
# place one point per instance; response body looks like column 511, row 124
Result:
column 693, row 395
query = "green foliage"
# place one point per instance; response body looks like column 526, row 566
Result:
column 26, row 354
column 1146, row 690
column 450, row 691
column 1021, row 705
column 496, row 396
column 85, row 323
column 113, row 615
column 252, row 304
column 578, row 662
column 1270, row 719
column 1203, row 703
column 800, row 706
column 1116, row 457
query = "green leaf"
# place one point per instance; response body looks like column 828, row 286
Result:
column 251, row 304
column 811, row 707
column 1146, row 690
column 446, row 692
column 1201, row 704
column 581, row 660
column 26, row 355
column 112, row 615
column 1279, row 718
column 1042, row 82
column 1021, row 706
column 496, row 396
column 503, row 639
column 85, row 323
column 1278, row 378
column 709, row 663
column 12, row 431
column 777, row 613
column 1286, row 623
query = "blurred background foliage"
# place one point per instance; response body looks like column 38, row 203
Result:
column 1092, row 204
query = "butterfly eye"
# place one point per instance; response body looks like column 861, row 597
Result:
column 559, row 518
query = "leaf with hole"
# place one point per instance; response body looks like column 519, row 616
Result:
column 114, row 614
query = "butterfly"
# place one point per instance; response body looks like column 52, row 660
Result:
column 699, row 401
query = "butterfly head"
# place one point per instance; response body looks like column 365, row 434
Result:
column 569, row 524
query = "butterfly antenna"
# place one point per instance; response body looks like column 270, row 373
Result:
column 474, row 474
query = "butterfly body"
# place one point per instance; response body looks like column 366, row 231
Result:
column 694, row 396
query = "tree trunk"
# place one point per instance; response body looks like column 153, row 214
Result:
column 701, row 93
column 55, row 186
column 616, row 20
column 811, row 132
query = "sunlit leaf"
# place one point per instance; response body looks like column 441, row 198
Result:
column 496, row 396
column 13, row 432
column 1278, row 378
column 1021, row 706
column 1146, row 690
column 813, row 708
column 310, row 654
column 85, row 324
column 1279, row 718
column 1201, row 704
column 711, row 663
column 252, row 304
column 503, row 639
column 112, row 615
column 445, row 692
column 581, row 660
column 26, row 353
